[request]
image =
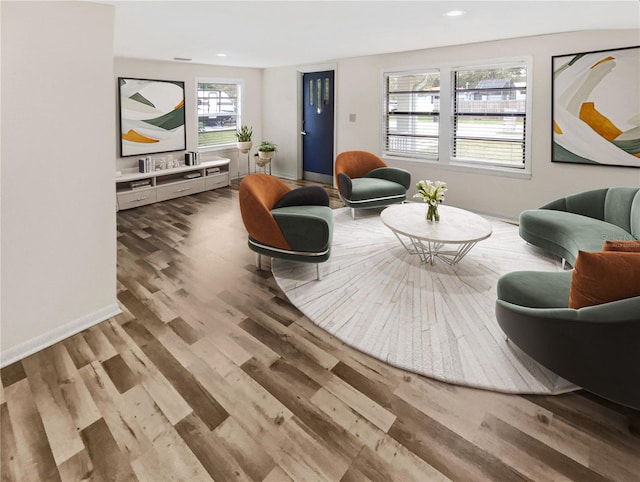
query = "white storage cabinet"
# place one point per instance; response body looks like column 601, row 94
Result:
column 135, row 188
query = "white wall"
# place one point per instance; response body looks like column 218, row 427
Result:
column 58, row 158
column 281, row 124
column 188, row 73
column 359, row 90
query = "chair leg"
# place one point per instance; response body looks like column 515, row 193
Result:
column 259, row 261
column 318, row 274
column 353, row 213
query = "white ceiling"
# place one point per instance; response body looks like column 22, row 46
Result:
column 278, row 33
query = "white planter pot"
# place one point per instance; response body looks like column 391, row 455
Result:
column 244, row 147
column 265, row 155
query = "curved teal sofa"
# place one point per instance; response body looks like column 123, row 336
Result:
column 595, row 347
column 583, row 221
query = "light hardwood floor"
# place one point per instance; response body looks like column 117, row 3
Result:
column 210, row 373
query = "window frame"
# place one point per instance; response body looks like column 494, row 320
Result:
column 454, row 116
column 444, row 159
column 239, row 110
column 386, row 114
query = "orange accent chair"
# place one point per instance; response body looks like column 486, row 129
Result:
column 284, row 223
column 365, row 181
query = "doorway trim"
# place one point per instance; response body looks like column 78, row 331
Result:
column 307, row 70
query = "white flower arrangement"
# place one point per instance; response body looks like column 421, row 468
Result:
column 431, row 192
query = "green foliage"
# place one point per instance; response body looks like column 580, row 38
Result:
column 215, row 138
column 471, row 78
column 267, row 146
column 244, row 134
column 414, row 82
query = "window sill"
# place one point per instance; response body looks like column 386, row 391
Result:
column 460, row 166
column 225, row 147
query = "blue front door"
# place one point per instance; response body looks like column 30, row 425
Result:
column 317, row 126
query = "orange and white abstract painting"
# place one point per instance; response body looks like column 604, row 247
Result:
column 596, row 107
column 151, row 116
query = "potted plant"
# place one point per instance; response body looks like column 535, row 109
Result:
column 266, row 150
column 243, row 136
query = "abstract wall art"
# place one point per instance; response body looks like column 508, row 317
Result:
column 151, row 116
column 596, row 107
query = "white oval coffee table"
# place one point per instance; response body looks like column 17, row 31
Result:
column 427, row 239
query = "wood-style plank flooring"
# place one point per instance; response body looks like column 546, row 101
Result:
column 211, row 374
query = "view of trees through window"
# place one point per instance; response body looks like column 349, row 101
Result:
column 218, row 113
column 489, row 113
column 484, row 109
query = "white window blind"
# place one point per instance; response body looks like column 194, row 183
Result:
column 489, row 115
column 218, row 113
column 412, row 114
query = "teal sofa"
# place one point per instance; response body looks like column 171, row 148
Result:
column 583, row 221
column 595, row 347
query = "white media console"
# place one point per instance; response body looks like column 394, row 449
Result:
column 134, row 188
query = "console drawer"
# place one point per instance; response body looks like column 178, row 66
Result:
column 177, row 189
column 216, row 181
column 133, row 199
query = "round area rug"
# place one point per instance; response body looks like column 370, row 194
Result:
column 436, row 320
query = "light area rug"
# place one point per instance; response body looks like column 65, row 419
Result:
column 435, row 320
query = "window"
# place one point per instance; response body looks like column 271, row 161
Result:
column 412, row 114
column 218, row 113
column 489, row 107
column 481, row 109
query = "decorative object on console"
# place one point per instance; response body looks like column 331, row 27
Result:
column 146, row 165
column 151, row 116
column 595, row 98
column 191, row 158
column 433, row 194
column 140, row 184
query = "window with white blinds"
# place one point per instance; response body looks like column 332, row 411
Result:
column 218, row 113
column 489, row 108
column 412, row 114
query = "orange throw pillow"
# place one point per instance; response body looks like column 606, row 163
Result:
column 632, row 246
column 601, row 277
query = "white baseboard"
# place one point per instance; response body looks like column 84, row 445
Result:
column 49, row 338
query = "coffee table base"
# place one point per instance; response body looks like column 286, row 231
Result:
column 427, row 251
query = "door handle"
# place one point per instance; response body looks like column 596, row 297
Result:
column 304, row 133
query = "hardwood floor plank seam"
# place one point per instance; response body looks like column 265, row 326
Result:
column 210, row 373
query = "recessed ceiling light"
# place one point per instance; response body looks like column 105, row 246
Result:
column 182, row 59
column 221, row 55
column 455, row 13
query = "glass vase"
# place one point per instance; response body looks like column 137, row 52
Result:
column 432, row 213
